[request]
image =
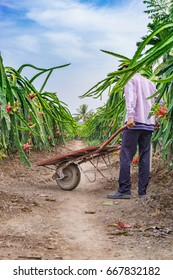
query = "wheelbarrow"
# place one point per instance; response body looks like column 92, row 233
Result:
column 67, row 167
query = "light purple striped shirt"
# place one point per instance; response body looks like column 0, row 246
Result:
column 137, row 90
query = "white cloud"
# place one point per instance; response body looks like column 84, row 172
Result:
column 86, row 18
column 58, row 32
column 70, row 25
column 69, row 45
column 28, row 43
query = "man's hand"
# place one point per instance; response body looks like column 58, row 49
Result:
column 130, row 123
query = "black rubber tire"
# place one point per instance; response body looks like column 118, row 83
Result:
column 71, row 179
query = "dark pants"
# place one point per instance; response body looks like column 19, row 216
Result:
column 130, row 140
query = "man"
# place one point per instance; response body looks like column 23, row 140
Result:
column 138, row 133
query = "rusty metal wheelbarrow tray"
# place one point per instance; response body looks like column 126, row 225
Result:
column 67, row 173
column 78, row 155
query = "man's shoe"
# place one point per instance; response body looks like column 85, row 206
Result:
column 118, row 195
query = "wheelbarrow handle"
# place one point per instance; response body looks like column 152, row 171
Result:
column 112, row 137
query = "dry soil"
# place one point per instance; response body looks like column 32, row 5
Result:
column 41, row 221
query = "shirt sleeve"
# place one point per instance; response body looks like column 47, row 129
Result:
column 130, row 97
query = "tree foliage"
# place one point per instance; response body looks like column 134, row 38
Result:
column 83, row 114
column 30, row 118
column 154, row 59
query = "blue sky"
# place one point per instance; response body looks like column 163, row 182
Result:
column 55, row 32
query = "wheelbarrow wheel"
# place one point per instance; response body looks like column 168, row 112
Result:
column 71, row 178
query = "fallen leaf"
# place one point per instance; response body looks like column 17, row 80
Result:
column 50, row 199
column 30, row 257
column 89, row 212
column 122, row 225
column 108, row 203
column 113, row 225
column 120, row 232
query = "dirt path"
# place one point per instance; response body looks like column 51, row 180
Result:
column 41, row 221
